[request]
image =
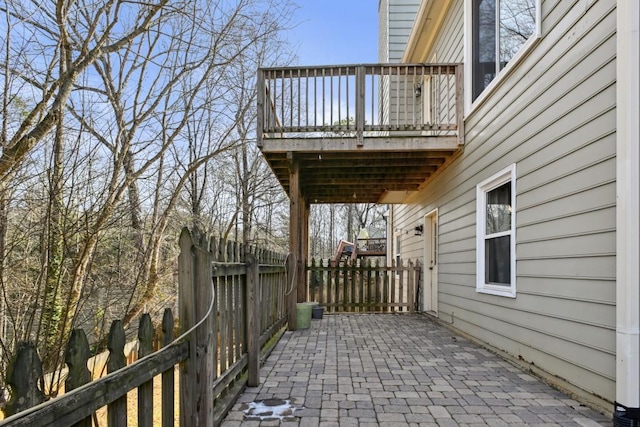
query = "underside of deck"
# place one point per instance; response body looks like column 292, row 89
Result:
column 381, row 170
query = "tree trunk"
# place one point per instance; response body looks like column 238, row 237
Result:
column 52, row 305
column 135, row 209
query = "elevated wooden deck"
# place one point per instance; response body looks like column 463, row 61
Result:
column 359, row 133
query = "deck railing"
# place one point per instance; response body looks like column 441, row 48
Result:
column 372, row 246
column 359, row 100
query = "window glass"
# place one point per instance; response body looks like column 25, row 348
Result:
column 500, row 28
column 517, row 24
column 497, row 255
column 499, row 209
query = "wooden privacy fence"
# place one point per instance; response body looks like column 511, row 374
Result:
column 231, row 304
column 364, row 286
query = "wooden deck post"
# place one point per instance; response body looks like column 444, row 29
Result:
column 261, row 92
column 294, row 235
column 460, row 103
column 252, row 322
column 303, row 288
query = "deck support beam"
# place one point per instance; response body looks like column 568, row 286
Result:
column 298, row 237
column 304, row 250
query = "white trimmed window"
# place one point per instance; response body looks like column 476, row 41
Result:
column 496, row 238
column 498, row 33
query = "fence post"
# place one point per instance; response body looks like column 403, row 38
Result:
column 417, row 277
column 76, row 358
column 186, row 318
column 411, row 298
column 204, row 354
column 145, row 391
column 23, row 374
column 253, row 325
column 168, row 377
column 117, row 410
column 290, row 290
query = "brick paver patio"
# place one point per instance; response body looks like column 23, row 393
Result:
column 395, row 370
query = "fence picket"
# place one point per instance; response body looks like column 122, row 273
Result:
column 117, row 410
column 76, row 358
column 378, row 285
column 392, row 291
column 23, row 376
column 400, row 283
column 370, row 296
column 410, row 288
column 145, row 391
column 168, row 377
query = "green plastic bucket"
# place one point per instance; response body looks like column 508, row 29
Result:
column 303, row 315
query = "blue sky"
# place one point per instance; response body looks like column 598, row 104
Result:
column 336, row 32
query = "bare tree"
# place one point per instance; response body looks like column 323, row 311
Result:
column 112, row 113
column 73, row 33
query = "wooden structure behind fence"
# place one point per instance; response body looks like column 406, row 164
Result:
column 364, row 286
column 231, row 303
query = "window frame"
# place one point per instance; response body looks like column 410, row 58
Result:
column 469, row 103
column 502, row 177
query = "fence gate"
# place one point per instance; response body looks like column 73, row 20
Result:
column 363, row 286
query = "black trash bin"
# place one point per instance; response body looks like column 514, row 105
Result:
column 317, row 311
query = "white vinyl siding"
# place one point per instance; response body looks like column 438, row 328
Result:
column 401, row 16
column 554, row 116
column 395, row 20
column 383, row 31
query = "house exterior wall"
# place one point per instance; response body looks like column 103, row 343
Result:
column 396, row 19
column 401, row 14
column 383, row 31
column 553, row 116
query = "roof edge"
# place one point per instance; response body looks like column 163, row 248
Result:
column 428, row 21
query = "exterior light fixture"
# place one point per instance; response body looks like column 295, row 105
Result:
column 418, row 230
column 417, row 90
